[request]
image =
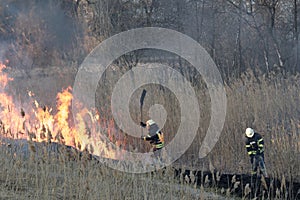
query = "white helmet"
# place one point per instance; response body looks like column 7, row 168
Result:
column 150, row 122
column 249, row 132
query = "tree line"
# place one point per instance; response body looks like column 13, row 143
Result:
column 261, row 35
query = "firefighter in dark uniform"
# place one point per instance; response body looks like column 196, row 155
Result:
column 255, row 149
column 155, row 136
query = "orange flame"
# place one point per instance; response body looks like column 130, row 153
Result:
column 11, row 120
column 44, row 126
column 61, row 118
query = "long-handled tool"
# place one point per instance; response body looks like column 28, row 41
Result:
column 141, row 106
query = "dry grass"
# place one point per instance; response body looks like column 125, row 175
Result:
column 271, row 107
column 44, row 174
column 268, row 104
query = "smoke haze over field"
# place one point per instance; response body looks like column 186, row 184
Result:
column 254, row 44
column 38, row 33
column 239, row 35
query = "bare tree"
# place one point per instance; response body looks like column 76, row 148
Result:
column 296, row 36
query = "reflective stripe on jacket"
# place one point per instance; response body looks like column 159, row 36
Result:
column 156, row 140
column 255, row 145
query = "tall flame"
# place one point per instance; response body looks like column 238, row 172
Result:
column 44, row 126
column 11, row 120
column 61, row 118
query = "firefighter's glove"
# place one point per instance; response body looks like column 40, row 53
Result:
column 142, row 124
column 22, row 112
column 143, row 137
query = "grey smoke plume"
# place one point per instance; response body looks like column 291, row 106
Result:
column 37, row 32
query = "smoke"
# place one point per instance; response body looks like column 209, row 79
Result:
column 37, row 40
column 3, row 46
column 38, row 33
column 58, row 25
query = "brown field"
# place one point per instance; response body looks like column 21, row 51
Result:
column 268, row 104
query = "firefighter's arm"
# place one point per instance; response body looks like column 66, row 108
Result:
column 250, row 151
column 143, row 137
column 260, row 144
column 152, row 139
column 146, row 138
column 248, row 148
column 142, row 124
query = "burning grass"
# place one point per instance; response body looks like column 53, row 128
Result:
column 269, row 105
column 33, row 167
column 37, row 123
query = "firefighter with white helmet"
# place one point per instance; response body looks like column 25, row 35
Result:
column 155, row 136
column 255, row 149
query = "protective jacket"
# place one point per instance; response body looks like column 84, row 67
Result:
column 255, row 145
column 155, row 136
column 156, row 140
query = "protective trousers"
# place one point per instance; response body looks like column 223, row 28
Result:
column 259, row 163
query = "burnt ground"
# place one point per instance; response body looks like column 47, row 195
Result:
column 271, row 188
